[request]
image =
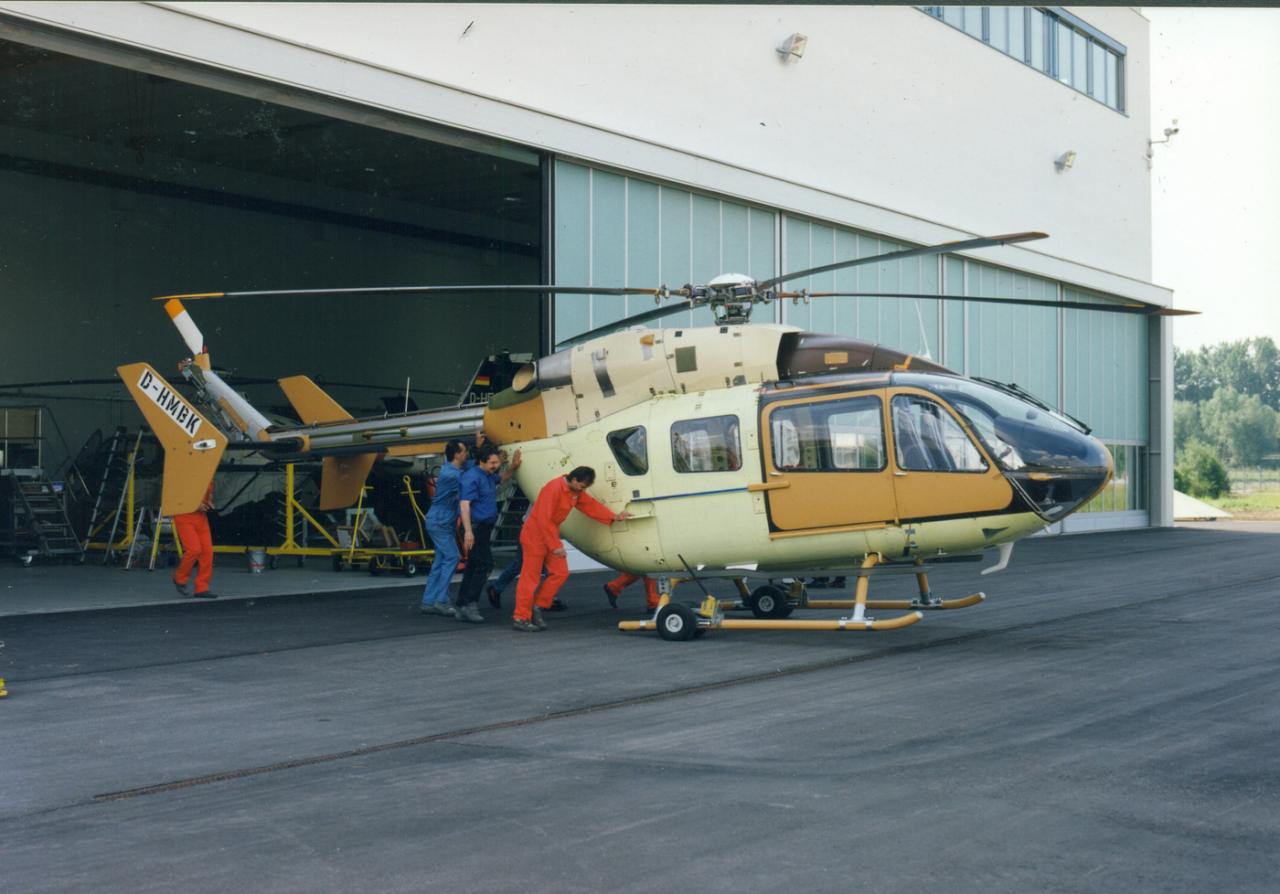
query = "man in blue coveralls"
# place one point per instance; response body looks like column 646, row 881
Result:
column 479, row 511
column 442, row 519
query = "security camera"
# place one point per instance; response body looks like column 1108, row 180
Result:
column 1171, row 129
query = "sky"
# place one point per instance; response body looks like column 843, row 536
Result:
column 1216, row 186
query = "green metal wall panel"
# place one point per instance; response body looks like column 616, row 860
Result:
column 1105, row 370
column 909, row 325
column 614, row 230
column 1013, row 344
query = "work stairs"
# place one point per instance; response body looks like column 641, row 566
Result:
column 36, row 523
column 511, row 510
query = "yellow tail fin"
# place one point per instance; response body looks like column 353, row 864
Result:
column 341, row 477
column 312, row 404
column 192, row 445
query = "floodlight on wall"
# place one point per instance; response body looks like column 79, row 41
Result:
column 792, row 48
column 1064, row 161
column 1169, row 133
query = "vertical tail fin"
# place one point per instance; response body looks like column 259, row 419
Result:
column 192, row 444
column 341, row 477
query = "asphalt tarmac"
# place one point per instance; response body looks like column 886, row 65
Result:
column 1108, row 721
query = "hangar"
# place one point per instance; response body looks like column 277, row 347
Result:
column 157, row 148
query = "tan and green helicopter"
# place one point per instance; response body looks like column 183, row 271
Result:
column 739, row 451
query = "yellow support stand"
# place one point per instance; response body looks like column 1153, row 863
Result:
column 3, row 691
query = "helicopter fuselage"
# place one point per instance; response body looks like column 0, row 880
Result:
column 815, row 470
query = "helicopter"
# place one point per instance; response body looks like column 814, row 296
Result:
column 737, row 450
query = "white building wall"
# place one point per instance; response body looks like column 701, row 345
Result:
column 892, row 122
column 888, row 106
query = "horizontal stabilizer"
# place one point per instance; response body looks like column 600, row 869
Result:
column 341, row 478
column 310, row 401
column 192, row 445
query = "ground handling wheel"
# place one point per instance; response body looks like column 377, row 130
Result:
column 677, row 622
column 410, row 568
column 337, row 562
column 375, row 565
column 769, row 601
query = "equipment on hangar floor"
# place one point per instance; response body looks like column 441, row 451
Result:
column 774, row 452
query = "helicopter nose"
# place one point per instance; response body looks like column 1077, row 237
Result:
column 1081, row 468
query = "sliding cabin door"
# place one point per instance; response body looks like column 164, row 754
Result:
column 826, row 462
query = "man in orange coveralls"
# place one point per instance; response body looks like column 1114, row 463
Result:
column 541, row 545
column 613, row 589
column 197, row 546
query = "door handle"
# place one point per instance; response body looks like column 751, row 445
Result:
column 776, row 474
column 899, row 474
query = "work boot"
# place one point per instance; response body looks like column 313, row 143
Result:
column 181, row 588
column 537, row 619
column 557, row 606
column 612, row 597
column 495, row 598
column 526, row 626
column 205, row 594
column 437, row 608
column 470, row 614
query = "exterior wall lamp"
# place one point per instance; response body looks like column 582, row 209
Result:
column 1064, row 161
column 792, row 49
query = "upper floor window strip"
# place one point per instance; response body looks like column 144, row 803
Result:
column 1050, row 40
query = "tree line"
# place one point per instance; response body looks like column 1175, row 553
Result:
column 1226, row 398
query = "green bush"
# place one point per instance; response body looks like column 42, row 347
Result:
column 1202, row 473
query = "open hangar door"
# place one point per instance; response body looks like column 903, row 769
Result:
column 121, row 184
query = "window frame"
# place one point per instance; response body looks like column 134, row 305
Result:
column 1047, row 58
column 631, row 429
column 849, row 399
column 974, row 441
column 737, row 429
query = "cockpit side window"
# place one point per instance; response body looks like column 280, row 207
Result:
column 631, row 449
column 927, row 439
column 706, row 445
column 830, row 436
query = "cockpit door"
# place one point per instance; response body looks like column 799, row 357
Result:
column 938, row 469
column 826, row 461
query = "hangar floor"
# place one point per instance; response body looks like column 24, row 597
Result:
column 1094, row 727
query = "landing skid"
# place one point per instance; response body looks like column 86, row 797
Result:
column 772, row 605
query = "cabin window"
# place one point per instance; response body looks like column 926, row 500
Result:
column 927, row 439
column 631, row 449
column 833, row 436
column 706, row 445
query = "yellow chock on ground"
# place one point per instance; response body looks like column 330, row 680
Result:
column 3, row 691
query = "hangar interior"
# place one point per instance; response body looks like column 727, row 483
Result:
column 130, row 185
column 134, row 183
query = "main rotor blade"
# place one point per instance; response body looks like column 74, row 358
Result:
column 945, row 247
column 415, row 290
column 632, row 320
column 1147, row 310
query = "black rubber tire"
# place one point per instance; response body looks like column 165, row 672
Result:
column 410, row 568
column 769, row 602
column 677, row 623
column 375, row 565
column 337, row 562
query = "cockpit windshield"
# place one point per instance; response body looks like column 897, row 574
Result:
column 1021, row 435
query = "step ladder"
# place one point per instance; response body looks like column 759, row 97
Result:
column 148, row 531
column 109, row 507
column 37, row 523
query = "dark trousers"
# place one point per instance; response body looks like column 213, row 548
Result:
column 479, row 564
